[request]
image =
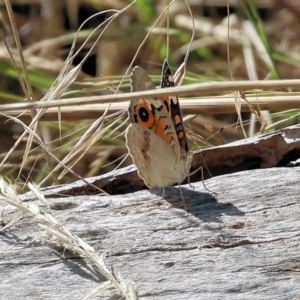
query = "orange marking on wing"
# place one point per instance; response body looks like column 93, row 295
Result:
column 180, row 135
column 149, row 121
column 177, row 120
column 146, row 118
column 169, row 138
column 160, row 128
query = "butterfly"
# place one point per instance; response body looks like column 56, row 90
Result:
column 156, row 138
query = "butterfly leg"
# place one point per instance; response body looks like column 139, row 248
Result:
column 202, row 179
column 163, row 193
column 182, row 198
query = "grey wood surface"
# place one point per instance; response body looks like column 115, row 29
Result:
column 240, row 241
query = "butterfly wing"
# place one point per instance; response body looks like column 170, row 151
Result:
column 173, row 106
column 151, row 113
column 152, row 140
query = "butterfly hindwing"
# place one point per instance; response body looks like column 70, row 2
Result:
column 153, row 137
column 173, row 106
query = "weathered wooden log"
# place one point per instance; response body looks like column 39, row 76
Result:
column 273, row 149
column 241, row 241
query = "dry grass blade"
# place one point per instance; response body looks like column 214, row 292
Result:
column 9, row 195
column 197, row 105
column 190, row 89
column 249, row 31
column 238, row 105
column 27, row 86
column 27, row 90
column 261, row 116
column 180, row 72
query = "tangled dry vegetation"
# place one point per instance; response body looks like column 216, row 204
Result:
column 258, row 40
column 46, row 55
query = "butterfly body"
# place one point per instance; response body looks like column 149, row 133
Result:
column 156, row 138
